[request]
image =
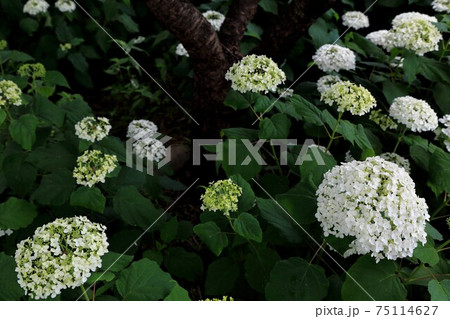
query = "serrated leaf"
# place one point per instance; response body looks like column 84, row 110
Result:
column 248, row 227
column 439, row 291
column 55, row 188
column 88, row 197
column 16, row 213
column 212, row 236
column 23, row 130
column 277, row 127
column 221, row 277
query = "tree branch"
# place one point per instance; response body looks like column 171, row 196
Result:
column 239, row 14
column 290, row 26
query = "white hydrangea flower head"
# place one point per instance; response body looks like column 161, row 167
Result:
column 34, row 7
column 441, row 5
column 333, row 57
column 382, row 38
column 7, row 232
column 326, row 82
column 138, row 129
column 215, row 18
column 285, row 93
column 409, row 16
column 348, row 96
column 355, row 19
column 397, row 159
column 10, row 94
column 65, row 5
column 150, row 148
column 93, row 166
column 60, row 255
column 255, row 73
column 374, row 201
column 415, row 31
column 415, row 114
column 221, row 196
column 181, row 50
column 384, row 121
column 92, row 129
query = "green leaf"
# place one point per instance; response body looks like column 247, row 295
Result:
column 46, row 110
column 88, row 197
column 100, row 277
column 55, row 189
column 314, row 170
column 19, row 174
column 370, row 48
column 240, row 133
column 378, row 279
column 212, row 236
column 8, row 279
column 433, row 232
column 113, row 146
column 144, row 281
column 135, row 209
column 183, row 264
column 441, row 93
column 411, row 67
column 128, row 23
column 277, row 127
column 168, row 231
column 427, row 254
column 115, row 262
column 237, row 167
column 300, row 203
column 16, row 213
column 29, row 25
column 56, row 78
column 269, row 6
column 236, row 100
column 393, row 90
column 308, row 111
column 421, row 156
column 439, row 291
column 248, row 227
column 78, row 61
column 2, row 117
column 53, row 157
column 247, row 199
column 296, row 279
column 258, row 266
column 275, row 216
column 254, row 31
column 221, row 277
column 23, row 130
column 178, row 294
column 440, row 170
column 76, row 110
column 434, row 70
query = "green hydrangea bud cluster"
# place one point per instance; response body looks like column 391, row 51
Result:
column 93, row 166
column 221, row 196
column 10, row 94
column 3, row 45
column 351, row 97
column 34, row 71
column 255, row 73
column 224, row 298
column 65, row 46
column 384, row 121
column 60, row 255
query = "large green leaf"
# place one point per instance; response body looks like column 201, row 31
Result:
column 276, row 127
column 212, row 236
column 439, row 291
column 144, row 281
column 308, row 111
column 55, row 189
column 440, row 170
column 379, row 281
column 115, row 262
column 221, row 277
column 276, row 216
column 296, row 279
column 248, row 227
column 23, row 130
column 234, row 157
column 427, row 254
column 88, row 197
column 16, row 213
column 135, row 209
column 8, row 279
column 183, row 264
column 269, row 6
column 247, row 199
column 20, row 175
column 47, row 110
column 178, row 293
column 258, row 266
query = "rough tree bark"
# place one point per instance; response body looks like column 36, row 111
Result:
column 212, row 53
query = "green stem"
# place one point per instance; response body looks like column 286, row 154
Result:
column 276, row 159
column 85, row 293
column 399, row 139
column 441, row 207
column 334, row 130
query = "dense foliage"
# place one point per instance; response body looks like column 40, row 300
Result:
column 363, row 215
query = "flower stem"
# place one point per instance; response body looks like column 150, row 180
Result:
column 334, row 131
column 276, row 159
column 399, row 139
column 441, row 207
column 85, row 293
